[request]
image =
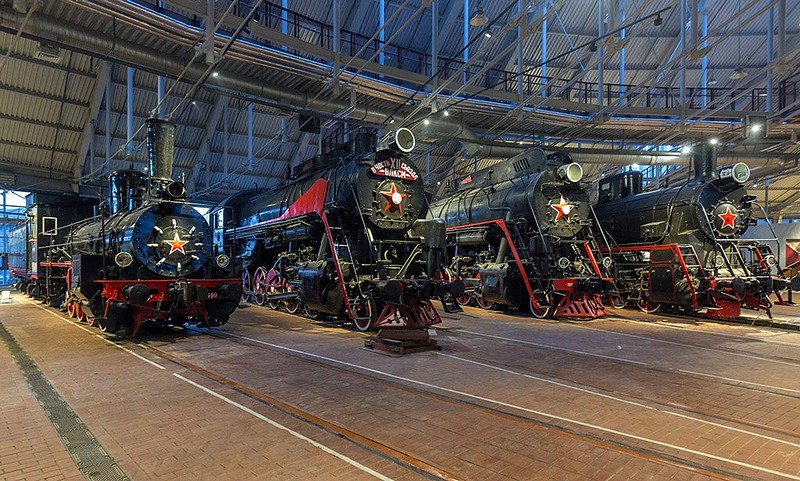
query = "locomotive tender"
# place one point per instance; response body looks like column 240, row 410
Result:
column 680, row 246
column 345, row 236
column 521, row 233
column 149, row 260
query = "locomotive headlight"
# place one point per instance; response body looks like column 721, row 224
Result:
column 770, row 260
column 123, row 259
column 607, row 262
column 223, row 261
column 738, row 172
column 176, row 190
column 563, row 262
column 572, row 172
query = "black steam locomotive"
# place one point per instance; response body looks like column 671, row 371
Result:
column 344, row 236
column 680, row 246
column 149, row 260
column 521, row 233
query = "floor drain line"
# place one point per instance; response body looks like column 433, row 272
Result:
column 87, row 453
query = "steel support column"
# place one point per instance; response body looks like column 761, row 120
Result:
column 622, row 57
column 781, row 28
column 520, row 61
column 109, row 87
column 434, row 42
column 103, row 79
column 600, row 53
column 337, row 54
column 466, row 37
column 204, row 149
column 682, row 73
column 544, row 49
column 226, row 125
column 250, row 135
column 130, row 148
column 770, row 55
column 382, row 32
column 284, row 20
column 704, row 61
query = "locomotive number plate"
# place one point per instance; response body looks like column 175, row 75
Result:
column 395, row 168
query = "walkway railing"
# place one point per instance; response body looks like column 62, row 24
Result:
column 786, row 93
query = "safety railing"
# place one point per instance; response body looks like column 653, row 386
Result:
column 316, row 32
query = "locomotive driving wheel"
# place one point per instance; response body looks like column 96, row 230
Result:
column 542, row 311
column 246, row 288
column 366, row 314
column 483, row 302
column 292, row 305
column 647, row 305
column 260, row 288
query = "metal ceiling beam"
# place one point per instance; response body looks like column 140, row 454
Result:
column 42, row 95
column 32, row 179
column 57, row 150
column 50, row 65
column 40, row 123
column 204, row 149
column 102, row 80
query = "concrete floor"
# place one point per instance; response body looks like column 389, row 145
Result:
column 275, row 396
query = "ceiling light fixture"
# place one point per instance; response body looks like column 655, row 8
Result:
column 658, row 21
column 426, row 122
column 687, row 149
column 738, row 74
column 479, row 18
column 712, row 81
column 713, row 141
column 488, row 34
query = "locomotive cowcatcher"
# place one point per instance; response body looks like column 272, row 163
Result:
column 681, row 246
column 344, row 236
column 520, row 233
column 149, row 258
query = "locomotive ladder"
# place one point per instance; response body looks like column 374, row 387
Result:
column 344, row 242
column 524, row 255
column 689, row 260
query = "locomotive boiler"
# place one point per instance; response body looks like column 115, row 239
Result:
column 149, row 258
column 521, row 234
column 680, row 246
column 344, row 236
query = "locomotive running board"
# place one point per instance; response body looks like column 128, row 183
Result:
column 396, row 342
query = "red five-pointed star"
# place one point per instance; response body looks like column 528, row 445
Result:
column 728, row 218
column 394, row 199
column 176, row 244
column 563, row 209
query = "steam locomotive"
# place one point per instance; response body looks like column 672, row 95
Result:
column 680, row 246
column 344, row 236
column 150, row 259
column 521, row 233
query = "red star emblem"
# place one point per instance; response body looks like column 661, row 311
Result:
column 563, row 208
column 728, row 218
column 176, row 244
column 394, row 199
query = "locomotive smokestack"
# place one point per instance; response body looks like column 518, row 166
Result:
column 160, row 147
column 704, row 157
